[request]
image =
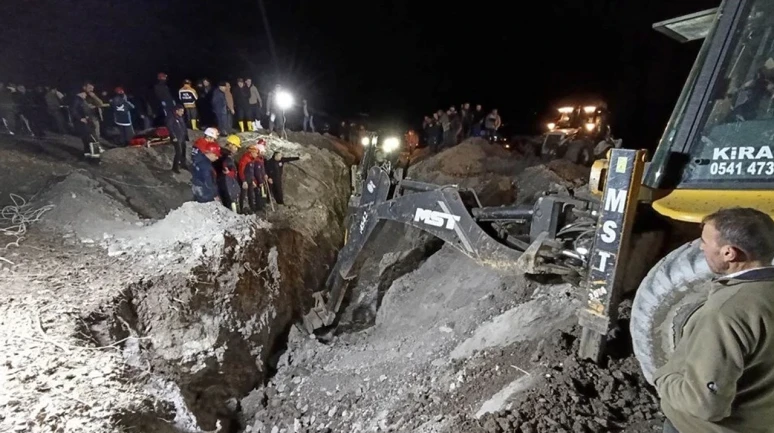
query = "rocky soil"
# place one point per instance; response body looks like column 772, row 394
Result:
column 124, row 307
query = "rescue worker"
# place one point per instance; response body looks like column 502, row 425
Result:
column 231, row 109
column 163, row 95
column 242, row 105
column 122, row 115
column 253, row 175
column 255, row 104
column 188, row 97
column 204, row 152
column 274, row 169
column 220, row 107
column 720, row 378
column 179, row 135
column 83, row 114
column 226, row 171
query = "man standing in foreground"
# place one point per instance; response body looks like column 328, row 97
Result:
column 720, row 379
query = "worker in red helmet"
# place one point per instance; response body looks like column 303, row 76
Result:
column 204, row 153
column 164, row 95
column 122, row 115
column 253, row 175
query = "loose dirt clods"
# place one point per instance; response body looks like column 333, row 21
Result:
column 128, row 309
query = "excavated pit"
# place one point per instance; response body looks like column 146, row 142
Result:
column 181, row 315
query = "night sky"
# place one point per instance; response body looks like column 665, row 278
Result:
column 395, row 60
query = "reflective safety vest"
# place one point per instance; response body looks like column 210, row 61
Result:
column 188, row 96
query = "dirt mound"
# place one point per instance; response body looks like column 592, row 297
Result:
column 402, row 374
column 579, row 396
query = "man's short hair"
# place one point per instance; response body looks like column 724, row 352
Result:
column 748, row 229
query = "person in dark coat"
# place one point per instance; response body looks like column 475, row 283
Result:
column 204, row 152
column 253, row 175
column 164, row 95
column 178, row 132
column 226, row 171
column 274, row 169
column 242, row 105
column 220, row 108
column 82, row 114
column 122, row 115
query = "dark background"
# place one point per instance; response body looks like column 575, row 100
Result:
column 396, row 60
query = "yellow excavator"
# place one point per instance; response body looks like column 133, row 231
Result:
column 717, row 152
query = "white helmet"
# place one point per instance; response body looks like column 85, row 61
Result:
column 211, row 132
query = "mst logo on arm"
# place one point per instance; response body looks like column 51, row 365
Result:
column 435, row 218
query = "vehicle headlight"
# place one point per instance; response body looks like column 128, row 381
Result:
column 391, row 144
column 590, row 126
column 284, row 100
column 365, row 141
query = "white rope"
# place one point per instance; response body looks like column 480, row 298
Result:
column 16, row 218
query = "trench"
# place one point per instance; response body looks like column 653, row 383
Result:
column 237, row 317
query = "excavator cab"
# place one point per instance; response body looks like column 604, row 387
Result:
column 716, row 152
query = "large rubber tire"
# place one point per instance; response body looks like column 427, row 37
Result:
column 580, row 152
column 671, row 291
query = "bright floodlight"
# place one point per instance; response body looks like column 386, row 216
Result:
column 391, row 144
column 284, row 100
column 551, row 126
column 365, row 141
column 590, row 126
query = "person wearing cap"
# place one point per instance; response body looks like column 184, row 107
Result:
column 204, row 152
column 253, row 175
column 122, row 115
column 179, row 135
column 188, row 97
column 226, row 171
column 163, row 95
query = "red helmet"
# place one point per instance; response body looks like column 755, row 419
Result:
column 161, row 76
column 119, row 90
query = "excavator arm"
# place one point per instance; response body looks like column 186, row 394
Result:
column 442, row 212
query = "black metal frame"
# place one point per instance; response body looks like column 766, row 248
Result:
column 719, row 41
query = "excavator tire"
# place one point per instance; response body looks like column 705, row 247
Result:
column 580, row 152
column 669, row 294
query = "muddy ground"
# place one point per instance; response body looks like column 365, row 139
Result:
column 125, row 307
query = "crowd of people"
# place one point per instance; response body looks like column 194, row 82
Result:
column 447, row 128
column 118, row 115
